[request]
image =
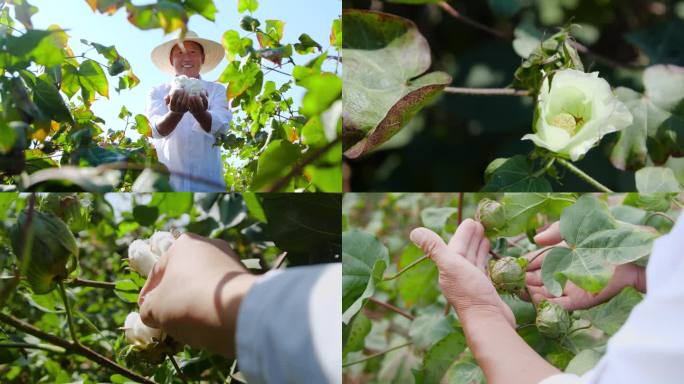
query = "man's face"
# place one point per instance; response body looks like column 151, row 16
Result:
column 187, row 63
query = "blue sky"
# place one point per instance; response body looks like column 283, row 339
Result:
column 301, row 16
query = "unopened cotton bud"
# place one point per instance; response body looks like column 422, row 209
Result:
column 139, row 334
column 141, row 258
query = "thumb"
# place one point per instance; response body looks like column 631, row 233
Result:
column 147, row 314
column 431, row 244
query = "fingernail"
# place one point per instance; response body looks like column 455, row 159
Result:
column 417, row 235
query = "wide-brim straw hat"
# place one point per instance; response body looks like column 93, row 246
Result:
column 213, row 53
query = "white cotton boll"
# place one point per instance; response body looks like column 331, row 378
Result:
column 139, row 334
column 141, row 258
column 192, row 87
column 160, row 242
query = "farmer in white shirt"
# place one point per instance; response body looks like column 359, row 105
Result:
column 184, row 124
column 649, row 348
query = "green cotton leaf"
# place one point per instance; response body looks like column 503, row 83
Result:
column 419, row 285
column 657, row 130
column 173, row 204
column 235, row 45
column 336, row 34
column 240, row 78
column 40, row 46
column 364, row 260
column 441, row 356
column 427, row 329
column 92, row 78
column 275, row 163
column 307, row 227
column 584, row 218
column 46, row 96
column 514, row 175
column 206, row 8
column 145, row 215
column 306, row 45
column 359, row 328
column 379, row 99
column 253, row 206
column 656, row 179
column 248, row 5
column 8, row 136
column 322, row 90
column 663, row 43
column 232, row 209
column 610, row 316
column 23, row 12
column 592, row 262
column 521, row 209
column 436, row 218
column 555, row 261
column 142, row 125
column 127, row 290
column 584, row 361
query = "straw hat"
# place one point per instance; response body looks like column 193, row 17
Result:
column 213, row 53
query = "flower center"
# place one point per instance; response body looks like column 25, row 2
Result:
column 569, row 123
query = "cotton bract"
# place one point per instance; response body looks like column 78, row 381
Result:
column 139, row 334
column 574, row 112
column 191, row 86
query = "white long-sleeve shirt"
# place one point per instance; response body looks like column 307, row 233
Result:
column 189, row 149
column 290, row 327
column 649, row 348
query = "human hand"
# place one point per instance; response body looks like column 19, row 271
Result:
column 198, row 104
column 178, row 101
column 574, row 297
column 194, row 293
column 462, row 275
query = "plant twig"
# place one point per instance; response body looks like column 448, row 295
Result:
column 447, row 305
column 177, row 368
column 466, row 20
column 67, row 308
column 300, row 166
column 494, row 254
column 73, row 348
column 406, row 268
column 579, row 173
column 279, row 260
column 392, row 308
column 78, row 282
column 578, row 46
column 488, row 91
column 43, row 347
column 377, row 354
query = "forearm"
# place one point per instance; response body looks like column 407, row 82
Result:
column 501, row 353
column 168, row 123
column 204, row 120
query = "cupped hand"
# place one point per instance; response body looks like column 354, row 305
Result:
column 462, row 274
column 194, row 293
column 198, row 104
column 178, row 101
column 573, row 297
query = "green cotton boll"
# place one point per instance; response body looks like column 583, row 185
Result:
column 552, row 319
column 574, row 111
column 508, row 274
column 491, row 214
column 51, row 252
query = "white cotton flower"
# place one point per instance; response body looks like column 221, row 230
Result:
column 141, row 258
column 139, row 334
column 575, row 112
column 161, row 241
column 191, row 86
